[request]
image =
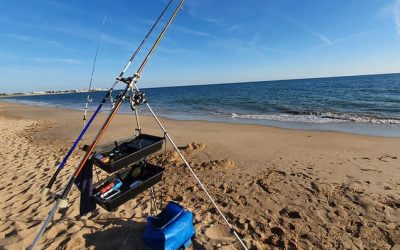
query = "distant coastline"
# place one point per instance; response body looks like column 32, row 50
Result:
column 52, row 92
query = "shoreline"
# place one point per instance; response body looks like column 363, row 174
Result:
column 352, row 128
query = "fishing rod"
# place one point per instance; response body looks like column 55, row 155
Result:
column 88, row 99
column 103, row 101
column 62, row 202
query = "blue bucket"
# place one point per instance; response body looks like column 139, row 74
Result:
column 171, row 229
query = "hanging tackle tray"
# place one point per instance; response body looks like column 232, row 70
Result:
column 149, row 176
column 112, row 158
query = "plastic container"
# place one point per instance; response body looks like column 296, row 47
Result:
column 149, row 176
column 127, row 153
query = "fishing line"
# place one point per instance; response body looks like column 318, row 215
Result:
column 88, row 99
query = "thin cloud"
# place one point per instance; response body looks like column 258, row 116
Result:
column 392, row 10
column 211, row 20
column 199, row 6
column 31, row 39
column 13, row 57
column 257, row 44
column 254, row 45
column 326, row 40
column 23, row 38
column 78, row 31
column 190, row 31
column 175, row 51
column 56, row 60
column 322, row 37
column 274, row 49
column 92, row 35
column 236, row 27
column 345, row 39
column 351, row 37
column 112, row 40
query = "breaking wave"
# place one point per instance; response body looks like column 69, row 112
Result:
column 315, row 117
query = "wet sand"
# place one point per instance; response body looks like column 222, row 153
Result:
column 280, row 188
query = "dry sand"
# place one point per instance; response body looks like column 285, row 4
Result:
column 279, row 188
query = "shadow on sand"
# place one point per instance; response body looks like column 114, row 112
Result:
column 121, row 234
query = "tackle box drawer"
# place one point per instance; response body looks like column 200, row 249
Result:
column 112, row 157
column 149, row 176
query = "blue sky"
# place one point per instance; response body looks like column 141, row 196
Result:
column 50, row 44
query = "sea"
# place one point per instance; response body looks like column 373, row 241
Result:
column 368, row 105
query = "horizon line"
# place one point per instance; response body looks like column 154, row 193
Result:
column 241, row 82
column 273, row 80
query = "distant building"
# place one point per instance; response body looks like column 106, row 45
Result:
column 99, row 89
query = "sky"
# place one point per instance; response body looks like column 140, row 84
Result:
column 50, row 44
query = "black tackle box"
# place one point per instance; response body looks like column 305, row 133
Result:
column 115, row 156
column 149, row 176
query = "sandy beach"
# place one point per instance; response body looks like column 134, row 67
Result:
column 280, row 188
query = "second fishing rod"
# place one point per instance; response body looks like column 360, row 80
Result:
column 103, row 101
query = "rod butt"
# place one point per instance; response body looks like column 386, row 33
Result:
column 45, row 191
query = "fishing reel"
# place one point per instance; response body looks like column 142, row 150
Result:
column 113, row 101
column 137, row 98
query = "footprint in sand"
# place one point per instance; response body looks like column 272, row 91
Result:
column 291, row 214
column 276, row 239
column 219, row 234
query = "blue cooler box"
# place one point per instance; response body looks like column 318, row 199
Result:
column 171, row 229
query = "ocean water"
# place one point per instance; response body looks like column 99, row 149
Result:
column 356, row 104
